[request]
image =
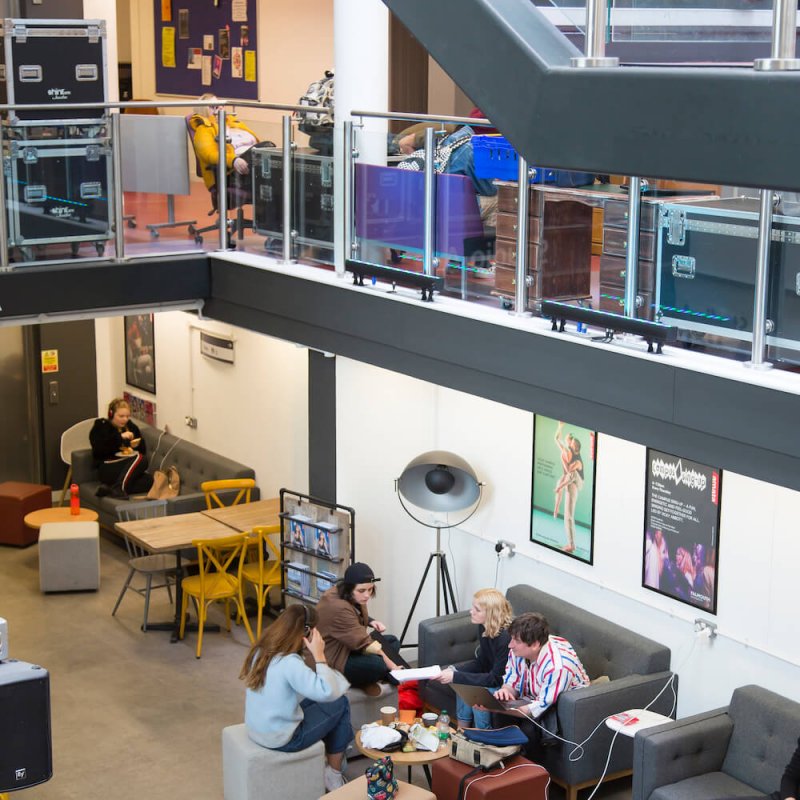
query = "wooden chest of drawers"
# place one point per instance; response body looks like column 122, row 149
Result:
column 559, row 245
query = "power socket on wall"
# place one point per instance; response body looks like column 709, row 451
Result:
column 191, row 422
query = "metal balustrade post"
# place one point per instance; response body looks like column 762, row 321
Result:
column 429, row 209
column 595, row 37
column 3, row 209
column 784, row 39
column 523, row 213
column 632, row 247
column 116, row 160
column 288, row 232
column 222, row 178
column 760, row 321
column 349, row 204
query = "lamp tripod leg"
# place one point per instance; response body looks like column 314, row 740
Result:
column 447, row 585
column 416, row 600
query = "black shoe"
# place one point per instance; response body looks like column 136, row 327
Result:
column 103, row 491
column 117, row 493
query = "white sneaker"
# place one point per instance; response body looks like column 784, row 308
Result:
column 332, row 778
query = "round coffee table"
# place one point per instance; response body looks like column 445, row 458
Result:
column 35, row 519
column 417, row 758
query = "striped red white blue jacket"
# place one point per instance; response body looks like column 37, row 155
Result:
column 557, row 669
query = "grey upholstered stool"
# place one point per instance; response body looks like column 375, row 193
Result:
column 364, row 708
column 252, row 772
column 69, row 556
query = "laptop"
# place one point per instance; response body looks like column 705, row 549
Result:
column 481, row 696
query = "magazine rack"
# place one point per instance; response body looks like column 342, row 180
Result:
column 317, row 544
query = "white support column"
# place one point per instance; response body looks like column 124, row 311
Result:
column 361, row 50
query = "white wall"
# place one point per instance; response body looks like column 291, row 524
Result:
column 384, row 420
column 254, row 411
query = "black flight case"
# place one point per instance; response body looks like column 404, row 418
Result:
column 707, row 254
column 312, row 196
column 52, row 62
column 57, row 162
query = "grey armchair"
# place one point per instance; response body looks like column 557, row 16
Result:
column 637, row 669
column 739, row 750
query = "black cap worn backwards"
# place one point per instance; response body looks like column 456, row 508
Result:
column 359, row 573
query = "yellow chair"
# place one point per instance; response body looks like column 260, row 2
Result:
column 214, row 583
column 262, row 571
column 210, row 489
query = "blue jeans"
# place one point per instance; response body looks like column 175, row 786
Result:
column 326, row 722
column 466, row 713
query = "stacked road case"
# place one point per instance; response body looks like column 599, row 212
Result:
column 57, row 162
column 312, row 196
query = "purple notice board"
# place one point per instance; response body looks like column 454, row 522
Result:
column 205, row 18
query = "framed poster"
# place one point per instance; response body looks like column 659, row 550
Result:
column 140, row 352
column 681, row 529
column 562, row 506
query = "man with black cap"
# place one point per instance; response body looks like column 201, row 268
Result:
column 343, row 620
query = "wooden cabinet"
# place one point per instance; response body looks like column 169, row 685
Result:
column 559, row 244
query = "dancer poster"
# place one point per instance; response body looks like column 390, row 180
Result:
column 681, row 529
column 564, row 460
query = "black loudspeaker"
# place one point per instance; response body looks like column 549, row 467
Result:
column 26, row 757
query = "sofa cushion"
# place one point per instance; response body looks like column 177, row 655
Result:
column 710, row 786
column 765, row 727
column 604, row 647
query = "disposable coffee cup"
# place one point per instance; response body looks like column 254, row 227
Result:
column 388, row 714
column 429, row 718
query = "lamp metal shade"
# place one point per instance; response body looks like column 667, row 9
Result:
column 414, row 483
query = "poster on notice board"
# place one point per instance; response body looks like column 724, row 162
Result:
column 681, row 529
column 562, row 513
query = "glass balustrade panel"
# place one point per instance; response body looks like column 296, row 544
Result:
column 312, row 191
column 168, row 202
column 388, row 200
column 702, row 32
column 58, row 192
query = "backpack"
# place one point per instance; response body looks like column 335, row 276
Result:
column 318, row 96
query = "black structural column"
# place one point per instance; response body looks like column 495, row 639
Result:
column 321, row 425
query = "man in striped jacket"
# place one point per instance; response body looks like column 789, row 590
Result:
column 540, row 667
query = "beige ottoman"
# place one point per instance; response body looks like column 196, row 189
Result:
column 357, row 790
column 69, row 556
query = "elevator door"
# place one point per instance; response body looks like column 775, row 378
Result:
column 20, row 429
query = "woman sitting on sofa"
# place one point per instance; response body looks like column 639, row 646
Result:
column 493, row 614
column 289, row 706
column 363, row 658
column 119, row 452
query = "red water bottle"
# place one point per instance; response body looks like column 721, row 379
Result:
column 74, row 500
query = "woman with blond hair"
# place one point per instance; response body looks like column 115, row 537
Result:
column 493, row 614
column 288, row 705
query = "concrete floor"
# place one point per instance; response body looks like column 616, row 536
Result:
column 133, row 716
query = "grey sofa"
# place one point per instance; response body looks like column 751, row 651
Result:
column 637, row 669
column 739, row 750
column 195, row 465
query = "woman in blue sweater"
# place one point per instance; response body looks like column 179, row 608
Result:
column 288, row 705
column 493, row 614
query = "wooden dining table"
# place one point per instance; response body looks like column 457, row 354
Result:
column 246, row 516
column 171, row 534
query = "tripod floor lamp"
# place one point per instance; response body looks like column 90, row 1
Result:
column 438, row 482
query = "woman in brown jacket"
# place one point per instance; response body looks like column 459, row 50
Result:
column 343, row 620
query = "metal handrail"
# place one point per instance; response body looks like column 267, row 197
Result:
column 219, row 101
column 412, row 117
